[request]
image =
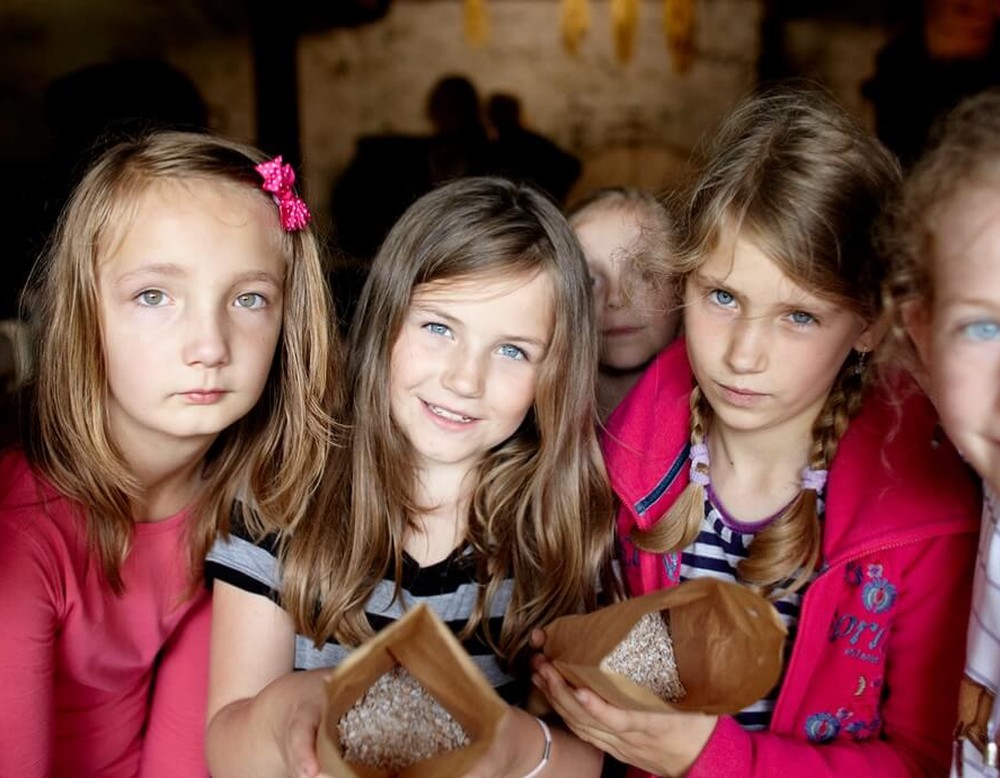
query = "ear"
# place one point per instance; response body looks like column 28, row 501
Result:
column 873, row 334
column 917, row 323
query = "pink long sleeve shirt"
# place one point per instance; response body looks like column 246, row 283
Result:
column 91, row 683
column 871, row 685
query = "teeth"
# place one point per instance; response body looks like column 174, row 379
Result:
column 446, row 414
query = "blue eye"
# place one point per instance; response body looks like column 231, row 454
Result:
column 722, row 297
column 981, row 330
column 511, row 352
column 152, row 297
column 437, row 329
column 250, row 300
column 801, row 318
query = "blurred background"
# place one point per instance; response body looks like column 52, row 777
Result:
column 370, row 98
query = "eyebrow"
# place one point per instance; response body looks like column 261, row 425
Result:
column 812, row 303
column 176, row 271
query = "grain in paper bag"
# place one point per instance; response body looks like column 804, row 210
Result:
column 416, row 657
column 727, row 647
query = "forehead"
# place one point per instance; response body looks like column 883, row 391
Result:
column 481, row 288
column 161, row 201
column 739, row 262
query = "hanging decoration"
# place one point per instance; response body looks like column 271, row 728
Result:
column 477, row 22
column 678, row 25
column 624, row 19
column 574, row 22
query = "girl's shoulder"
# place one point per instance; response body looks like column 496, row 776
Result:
column 649, row 429
column 22, row 487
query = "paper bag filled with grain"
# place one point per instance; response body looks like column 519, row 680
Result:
column 411, row 703
column 703, row 645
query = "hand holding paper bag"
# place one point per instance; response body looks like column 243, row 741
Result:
column 727, row 644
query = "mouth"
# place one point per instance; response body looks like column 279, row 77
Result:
column 741, row 392
column 618, row 332
column 448, row 415
column 740, row 397
column 204, row 396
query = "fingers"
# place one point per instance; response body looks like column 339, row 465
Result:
column 537, row 638
column 302, row 732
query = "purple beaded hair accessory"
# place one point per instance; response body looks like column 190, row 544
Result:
column 814, row 479
column 279, row 180
column 699, row 456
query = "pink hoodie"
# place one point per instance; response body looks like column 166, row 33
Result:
column 871, row 686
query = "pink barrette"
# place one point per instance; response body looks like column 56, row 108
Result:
column 279, row 180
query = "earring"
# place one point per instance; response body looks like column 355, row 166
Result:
column 859, row 365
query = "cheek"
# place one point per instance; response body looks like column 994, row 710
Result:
column 962, row 385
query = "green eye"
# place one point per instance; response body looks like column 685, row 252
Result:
column 250, row 300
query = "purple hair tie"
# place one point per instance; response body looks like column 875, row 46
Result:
column 279, row 180
column 814, row 479
column 698, row 456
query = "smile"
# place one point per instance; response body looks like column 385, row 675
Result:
column 444, row 413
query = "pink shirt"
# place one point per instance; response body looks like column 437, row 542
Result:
column 81, row 693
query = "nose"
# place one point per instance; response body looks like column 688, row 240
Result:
column 465, row 373
column 747, row 348
column 614, row 294
column 206, row 340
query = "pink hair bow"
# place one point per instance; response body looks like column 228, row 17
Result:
column 279, row 180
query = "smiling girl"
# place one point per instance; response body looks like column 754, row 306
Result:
column 472, row 473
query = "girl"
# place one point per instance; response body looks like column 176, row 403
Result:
column 615, row 227
column 182, row 334
column 471, row 474
column 945, row 284
column 721, row 457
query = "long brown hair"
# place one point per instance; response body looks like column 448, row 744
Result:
column 541, row 502
column 793, row 171
column 270, row 460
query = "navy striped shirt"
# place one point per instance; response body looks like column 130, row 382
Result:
column 722, row 543
column 449, row 587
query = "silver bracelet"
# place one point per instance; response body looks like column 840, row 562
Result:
column 546, row 753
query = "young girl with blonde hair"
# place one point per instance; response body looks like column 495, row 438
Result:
column 619, row 228
column 471, row 480
column 182, row 347
column 761, row 450
column 945, row 291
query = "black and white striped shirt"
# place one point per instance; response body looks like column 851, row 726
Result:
column 449, row 587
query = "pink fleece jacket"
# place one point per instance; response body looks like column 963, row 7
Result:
column 871, row 685
column 92, row 683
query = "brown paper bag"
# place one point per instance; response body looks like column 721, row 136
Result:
column 727, row 640
column 422, row 644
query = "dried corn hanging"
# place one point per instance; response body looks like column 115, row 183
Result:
column 624, row 18
column 678, row 25
column 477, row 22
column 574, row 21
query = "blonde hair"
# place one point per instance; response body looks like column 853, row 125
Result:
column 790, row 169
column 541, row 500
column 267, row 462
column 657, row 236
column 963, row 151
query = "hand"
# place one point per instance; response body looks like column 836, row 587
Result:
column 659, row 743
column 297, row 730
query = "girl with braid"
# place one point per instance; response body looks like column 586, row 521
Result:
column 763, row 449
